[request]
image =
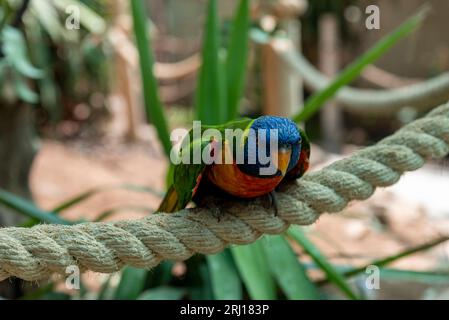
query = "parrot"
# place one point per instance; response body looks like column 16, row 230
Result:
column 192, row 181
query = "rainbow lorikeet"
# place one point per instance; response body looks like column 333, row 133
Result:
column 268, row 150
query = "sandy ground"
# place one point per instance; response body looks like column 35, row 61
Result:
column 62, row 171
column 391, row 221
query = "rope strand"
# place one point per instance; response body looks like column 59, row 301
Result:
column 36, row 253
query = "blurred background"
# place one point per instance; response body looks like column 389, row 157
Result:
column 90, row 89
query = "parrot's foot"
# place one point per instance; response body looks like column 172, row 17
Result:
column 215, row 210
column 273, row 202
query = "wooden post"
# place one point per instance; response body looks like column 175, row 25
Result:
column 125, row 73
column 276, row 84
column 331, row 115
column 283, row 89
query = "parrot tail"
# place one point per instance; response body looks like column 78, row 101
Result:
column 170, row 202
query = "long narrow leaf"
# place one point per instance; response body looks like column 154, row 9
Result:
column 353, row 70
column 131, row 284
column 210, row 106
column 161, row 275
column 106, row 291
column 47, row 15
column 27, row 208
column 50, row 94
column 253, row 267
column 90, row 20
column 433, row 276
column 385, row 261
column 153, row 105
column 430, row 277
column 333, row 275
column 287, row 270
column 226, row 283
column 204, row 290
column 90, row 193
column 15, row 51
column 39, row 293
column 237, row 58
column 76, row 199
column 23, row 91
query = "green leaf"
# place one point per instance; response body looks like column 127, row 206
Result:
column 161, row 275
column 15, row 50
column 153, row 105
column 23, row 91
column 163, row 293
column 333, row 275
column 384, row 261
column 203, row 291
column 75, row 200
column 222, row 78
column 131, row 284
column 253, row 267
column 87, row 194
column 226, row 283
column 40, row 292
column 210, row 106
column 89, row 19
column 54, row 295
column 429, row 277
column 47, row 15
column 92, row 192
column 5, row 13
column 28, row 209
column 49, row 91
column 237, row 58
column 351, row 72
column 106, row 290
column 169, row 175
column 288, row 271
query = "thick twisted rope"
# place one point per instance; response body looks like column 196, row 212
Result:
column 35, row 253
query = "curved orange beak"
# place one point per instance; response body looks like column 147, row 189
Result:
column 283, row 155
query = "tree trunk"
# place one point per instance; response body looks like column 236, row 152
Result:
column 18, row 146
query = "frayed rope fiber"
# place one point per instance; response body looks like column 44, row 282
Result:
column 36, row 253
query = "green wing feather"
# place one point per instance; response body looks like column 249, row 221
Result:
column 187, row 176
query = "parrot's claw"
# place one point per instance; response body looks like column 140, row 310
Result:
column 215, row 210
column 273, row 202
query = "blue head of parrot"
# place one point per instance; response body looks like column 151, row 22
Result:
column 265, row 132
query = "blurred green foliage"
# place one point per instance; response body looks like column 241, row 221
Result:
column 153, row 105
column 46, row 64
column 351, row 72
column 68, row 65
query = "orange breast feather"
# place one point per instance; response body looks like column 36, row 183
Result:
column 231, row 179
